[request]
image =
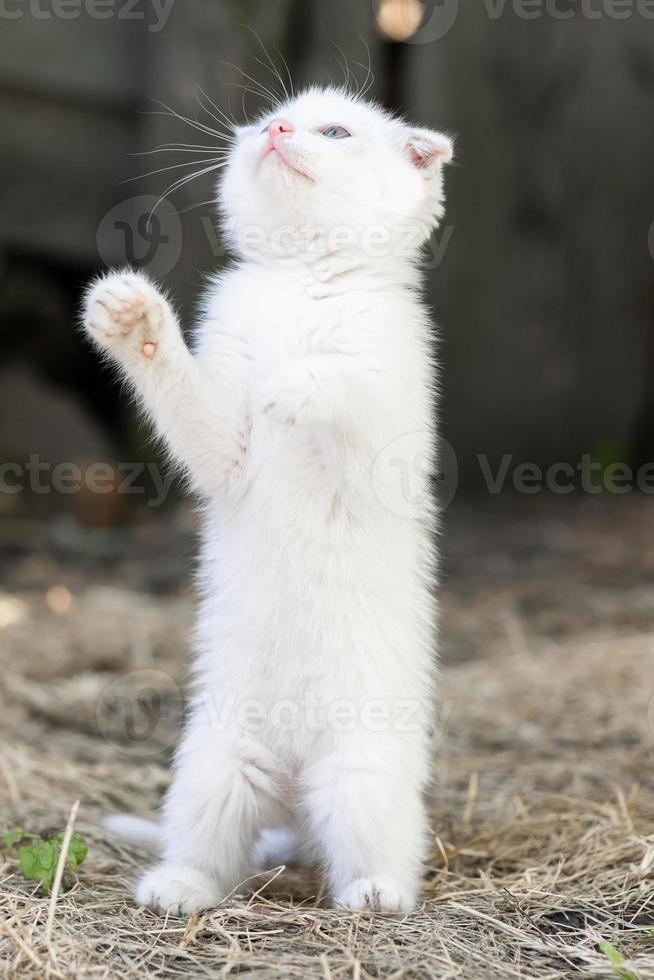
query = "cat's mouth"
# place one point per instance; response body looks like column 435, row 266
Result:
column 276, row 152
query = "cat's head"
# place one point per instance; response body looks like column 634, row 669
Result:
column 329, row 165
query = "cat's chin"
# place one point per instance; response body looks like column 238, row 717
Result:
column 275, row 161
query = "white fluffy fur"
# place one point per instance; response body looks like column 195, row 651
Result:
column 311, row 363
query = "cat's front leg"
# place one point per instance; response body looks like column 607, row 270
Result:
column 200, row 415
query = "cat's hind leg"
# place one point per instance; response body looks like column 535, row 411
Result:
column 368, row 821
column 224, row 789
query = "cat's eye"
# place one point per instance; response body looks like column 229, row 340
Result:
column 335, row 132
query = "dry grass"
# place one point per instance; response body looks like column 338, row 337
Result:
column 543, row 814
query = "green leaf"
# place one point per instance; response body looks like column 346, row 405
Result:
column 77, row 851
column 617, row 961
column 38, row 861
column 14, row 836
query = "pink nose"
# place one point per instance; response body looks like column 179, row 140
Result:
column 278, row 126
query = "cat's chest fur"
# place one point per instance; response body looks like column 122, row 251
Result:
column 302, row 327
column 281, row 317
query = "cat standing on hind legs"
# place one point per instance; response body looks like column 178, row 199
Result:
column 314, row 652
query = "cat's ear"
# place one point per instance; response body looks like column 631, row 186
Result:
column 427, row 149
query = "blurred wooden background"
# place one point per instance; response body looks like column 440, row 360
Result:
column 545, row 286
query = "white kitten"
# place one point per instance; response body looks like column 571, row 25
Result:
column 308, row 397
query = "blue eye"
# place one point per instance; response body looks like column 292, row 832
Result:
column 335, row 132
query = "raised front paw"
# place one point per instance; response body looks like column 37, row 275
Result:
column 126, row 315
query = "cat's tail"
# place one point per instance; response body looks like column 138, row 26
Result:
column 145, row 833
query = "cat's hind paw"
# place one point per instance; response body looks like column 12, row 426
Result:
column 372, row 895
column 176, row 889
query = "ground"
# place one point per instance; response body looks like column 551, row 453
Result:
column 543, row 808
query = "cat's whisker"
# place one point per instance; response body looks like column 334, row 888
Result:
column 194, row 123
column 284, row 92
column 172, row 148
column 199, row 204
column 162, row 170
column 221, row 118
column 269, row 94
column 243, row 109
column 250, row 91
column 272, row 67
column 288, row 70
column 364, row 88
column 178, row 184
column 197, row 146
column 196, row 173
column 254, row 92
column 343, row 64
column 370, row 75
column 235, row 123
